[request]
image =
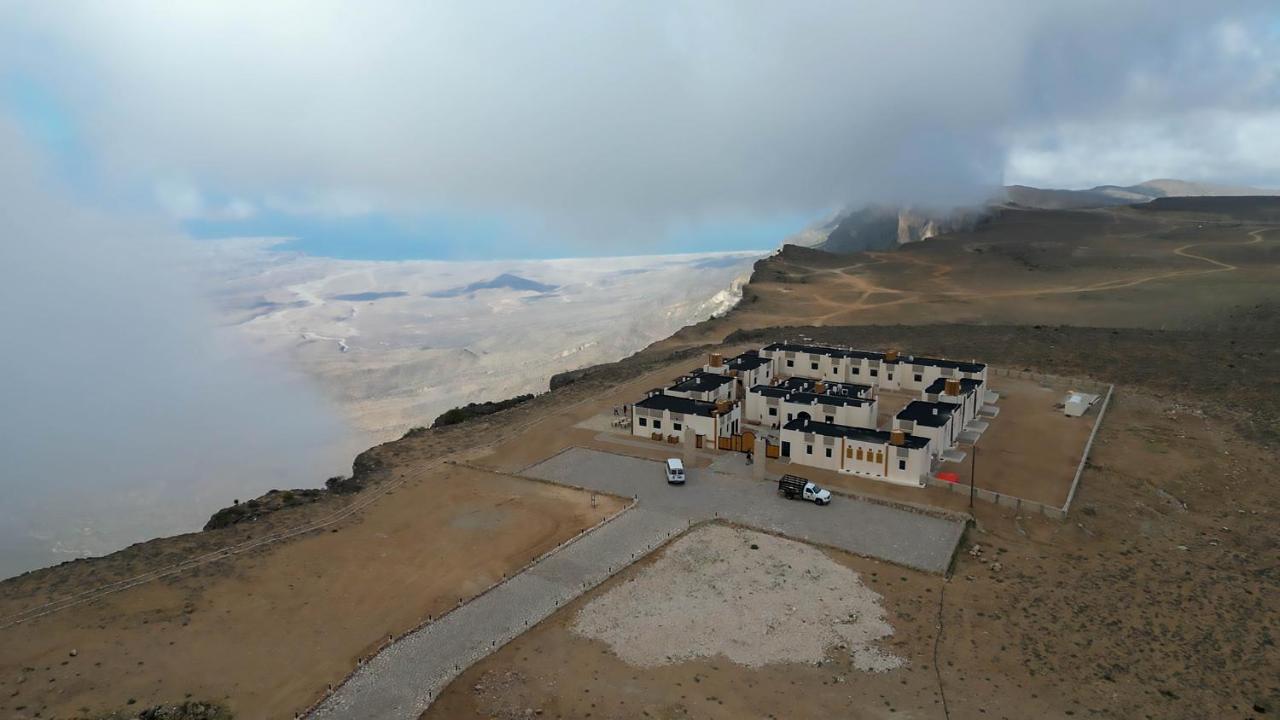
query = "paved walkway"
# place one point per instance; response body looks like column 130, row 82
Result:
column 402, row 680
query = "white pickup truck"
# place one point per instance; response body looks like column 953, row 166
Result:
column 794, row 486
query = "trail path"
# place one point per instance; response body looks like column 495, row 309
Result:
column 867, row 288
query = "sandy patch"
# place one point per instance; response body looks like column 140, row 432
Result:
column 754, row 598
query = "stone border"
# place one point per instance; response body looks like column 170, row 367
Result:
column 1084, row 459
column 391, row 640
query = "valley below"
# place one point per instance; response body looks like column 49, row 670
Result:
column 397, row 343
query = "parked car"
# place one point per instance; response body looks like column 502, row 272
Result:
column 794, row 486
column 675, row 471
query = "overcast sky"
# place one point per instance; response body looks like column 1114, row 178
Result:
column 624, row 123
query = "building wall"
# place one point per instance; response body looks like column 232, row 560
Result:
column 724, row 392
column 755, row 409
column 878, row 461
column 863, row 416
column 698, row 424
column 968, row 406
column 940, row 438
column 867, row 371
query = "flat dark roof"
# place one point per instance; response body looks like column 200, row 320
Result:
column 776, row 391
column 870, row 355
column 929, row 414
column 823, row 350
column 824, row 399
column 967, row 385
column 872, row 436
column 671, row 403
column 806, row 385
column 702, row 382
column 748, row 361
column 800, row 396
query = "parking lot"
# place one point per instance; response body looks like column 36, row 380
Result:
column 915, row 540
column 402, row 680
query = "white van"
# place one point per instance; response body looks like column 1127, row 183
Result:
column 675, row 471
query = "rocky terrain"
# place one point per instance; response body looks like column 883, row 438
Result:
column 1155, row 598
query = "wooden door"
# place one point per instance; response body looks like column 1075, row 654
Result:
column 748, row 441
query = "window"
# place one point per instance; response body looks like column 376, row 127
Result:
column 677, row 426
column 643, row 422
column 859, row 453
column 879, row 457
column 788, row 417
column 902, row 464
column 773, row 412
column 791, row 363
column 657, row 424
column 808, row 449
column 855, row 370
column 813, row 366
column 874, row 372
column 848, row 452
column 830, row 418
column 828, row 452
column 919, row 377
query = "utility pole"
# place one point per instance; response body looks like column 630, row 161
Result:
column 973, row 468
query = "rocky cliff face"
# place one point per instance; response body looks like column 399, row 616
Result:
column 883, row 227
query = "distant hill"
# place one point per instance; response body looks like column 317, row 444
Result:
column 881, row 227
column 505, row 281
column 1110, row 195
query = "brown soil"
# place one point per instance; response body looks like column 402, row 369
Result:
column 266, row 633
column 553, row 671
column 1104, row 615
column 1156, row 598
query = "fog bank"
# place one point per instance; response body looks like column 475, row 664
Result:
column 128, row 412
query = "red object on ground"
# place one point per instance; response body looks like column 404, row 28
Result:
column 949, row 476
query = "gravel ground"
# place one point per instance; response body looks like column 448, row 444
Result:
column 911, row 539
column 755, row 598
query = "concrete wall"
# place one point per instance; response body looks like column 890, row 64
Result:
column 877, row 461
column 863, row 416
column 940, row 438
column 667, row 421
column 755, row 409
column 724, row 392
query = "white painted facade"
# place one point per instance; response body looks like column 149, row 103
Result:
column 706, row 387
column 890, row 370
column 645, row 422
column 867, row 456
column 860, row 416
column 941, row 437
column 967, row 399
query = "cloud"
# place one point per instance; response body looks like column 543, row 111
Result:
column 127, row 411
column 606, row 116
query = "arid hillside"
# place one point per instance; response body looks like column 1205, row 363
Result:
column 1176, row 263
column 1156, row 597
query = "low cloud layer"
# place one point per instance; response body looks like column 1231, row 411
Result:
column 127, row 412
column 615, row 115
